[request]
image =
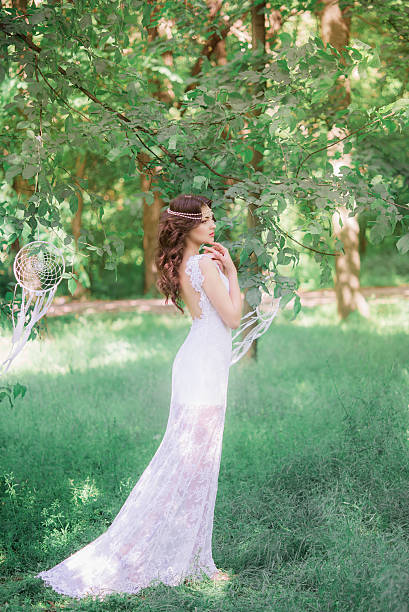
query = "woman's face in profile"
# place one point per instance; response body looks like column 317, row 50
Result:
column 205, row 231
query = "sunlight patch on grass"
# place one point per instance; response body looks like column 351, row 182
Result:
column 121, row 352
column 80, row 355
column 84, row 491
column 121, row 323
column 312, row 317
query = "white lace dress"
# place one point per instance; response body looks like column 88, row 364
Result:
column 163, row 532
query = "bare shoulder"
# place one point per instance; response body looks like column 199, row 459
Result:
column 208, row 266
column 206, row 260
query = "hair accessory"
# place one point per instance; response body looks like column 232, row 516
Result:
column 188, row 215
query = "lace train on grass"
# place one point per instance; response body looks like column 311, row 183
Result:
column 163, row 532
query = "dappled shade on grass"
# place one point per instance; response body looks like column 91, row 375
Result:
column 312, row 505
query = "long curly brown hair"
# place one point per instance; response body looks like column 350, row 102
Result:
column 171, row 243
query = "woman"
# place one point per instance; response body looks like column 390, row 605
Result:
column 163, row 532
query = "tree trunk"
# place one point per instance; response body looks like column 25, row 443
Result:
column 220, row 48
column 76, row 222
column 258, row 40
column 151, row 212
column 363, row 222
column 335, row 27
column 20, row 185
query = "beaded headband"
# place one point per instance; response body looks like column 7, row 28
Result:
column 189, row 215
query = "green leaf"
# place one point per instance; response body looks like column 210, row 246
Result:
column 19, row 390
column 355, row 54
column 146, row 15
column 68, row 124
column 209, row 100
column 6, row 394
column 115, row 153
column 73, row 201
column 375, row 61
column 42, row 209
column 12, row 172
column 37, row 17
column 12, row 238
column 117, row 56
column 72, row 285
column 253, row 297
column 380, row 229
column 296, row 307
column 243, row 256
column 247, row 155
column 32, row 222
column 281, row 205
column 403, row 244
column 29, row 171
column 258, row 248
column 200, row 181
column 100, row 65
column 285, row 38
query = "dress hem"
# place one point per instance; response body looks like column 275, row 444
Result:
column 128, row 588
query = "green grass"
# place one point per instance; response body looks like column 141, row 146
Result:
column 312, row 510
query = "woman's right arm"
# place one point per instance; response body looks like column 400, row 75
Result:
column 227, row 303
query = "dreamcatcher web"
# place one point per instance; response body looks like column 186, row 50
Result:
column 38, row 267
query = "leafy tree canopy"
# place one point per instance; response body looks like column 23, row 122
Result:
column 83, row 76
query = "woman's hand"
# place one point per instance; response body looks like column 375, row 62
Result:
column 222, row 256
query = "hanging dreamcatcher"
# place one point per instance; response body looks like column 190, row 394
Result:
column 38, row 268
column 258, row 322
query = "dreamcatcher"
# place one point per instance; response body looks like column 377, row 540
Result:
column 38, row 268
column 260, row 321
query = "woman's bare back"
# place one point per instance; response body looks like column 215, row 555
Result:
column 217, row 292
column 188, row 294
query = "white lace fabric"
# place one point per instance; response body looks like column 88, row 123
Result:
column 255, row 323
column 163, row 532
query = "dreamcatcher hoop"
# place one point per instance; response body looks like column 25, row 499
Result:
column 38, row 267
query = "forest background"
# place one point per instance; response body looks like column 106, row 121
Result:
column 292, row 118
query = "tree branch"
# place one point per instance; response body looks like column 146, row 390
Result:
column 340, row 139
column 303, row 245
